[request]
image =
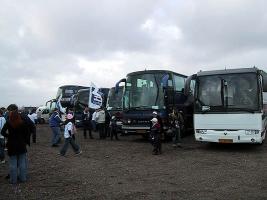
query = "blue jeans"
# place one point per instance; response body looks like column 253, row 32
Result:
column 2, row 149
column 176, row 135
column 18, row 168
column 74, row 146
column 56, row 135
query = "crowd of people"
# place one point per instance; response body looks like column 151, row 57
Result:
column 18, row 129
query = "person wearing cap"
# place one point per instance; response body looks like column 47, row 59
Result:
column 155, row 136
column 54, row 123
column 156, row 115
column 16, row 130
column 68, row 135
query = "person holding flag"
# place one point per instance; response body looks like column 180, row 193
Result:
column 54, row 123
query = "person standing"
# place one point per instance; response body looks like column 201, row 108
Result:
column 86, row 116
column 2, row 138
column 33, row 117
column 68, row 135
column 113, row 128
column 155, row 136
column 100, row 120
column 16, row 130
column 93, row 121
column 107, row 123
column 177, row 123
column 54, row 123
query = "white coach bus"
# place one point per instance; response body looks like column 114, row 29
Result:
column 230, row 105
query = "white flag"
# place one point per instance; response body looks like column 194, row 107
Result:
column 59, row 106
column 95, row 97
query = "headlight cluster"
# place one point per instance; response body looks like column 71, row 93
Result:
column 252, row 132
column 201, row 131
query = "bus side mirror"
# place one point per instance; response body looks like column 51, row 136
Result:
column 118, row 84
column 264, row 81
column 187, row 89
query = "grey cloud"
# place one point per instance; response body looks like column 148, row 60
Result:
column 40, row 40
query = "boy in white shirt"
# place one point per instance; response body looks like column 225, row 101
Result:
column 68, row 135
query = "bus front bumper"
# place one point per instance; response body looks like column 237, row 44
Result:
column 135, row 129
column 228, row 136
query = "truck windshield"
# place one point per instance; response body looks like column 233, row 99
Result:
column 144, row 91
column 234, row 92
column 114, row 99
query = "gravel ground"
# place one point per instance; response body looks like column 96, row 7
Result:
column 126, row 169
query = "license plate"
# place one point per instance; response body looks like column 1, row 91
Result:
column 225, row 141
column 140, row 131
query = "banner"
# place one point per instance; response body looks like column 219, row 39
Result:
column 95, row 97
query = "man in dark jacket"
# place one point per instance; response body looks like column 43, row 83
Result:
column 54, row 123
column 87, row 118
column 113, row 128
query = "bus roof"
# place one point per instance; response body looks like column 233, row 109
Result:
column 154, row 71
column 104, row 90
column 228, row 71
column 64, row 86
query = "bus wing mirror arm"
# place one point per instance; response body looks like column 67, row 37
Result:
column 118, row 83
column 187, row 88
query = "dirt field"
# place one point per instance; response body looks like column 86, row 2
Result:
column 126, row 170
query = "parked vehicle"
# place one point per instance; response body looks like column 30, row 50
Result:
column 230, row 105
column 67, row 91
column 114, row 104
column 42, row 114
column 67, row 94
column 81, row 101
column 154, row 90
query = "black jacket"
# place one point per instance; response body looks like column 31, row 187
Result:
column 17, row 138
column 86, row 118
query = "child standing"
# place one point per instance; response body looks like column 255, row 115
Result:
column 68, row 135
column 155, row 136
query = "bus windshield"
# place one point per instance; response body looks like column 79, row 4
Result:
column 234, row 92
column 144, row 91
column 114, row 99
column 68, row 91
column 81, row 100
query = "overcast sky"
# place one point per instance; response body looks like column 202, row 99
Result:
column 46, row 44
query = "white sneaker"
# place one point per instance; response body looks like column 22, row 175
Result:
column 3, row 161
column 79, row 152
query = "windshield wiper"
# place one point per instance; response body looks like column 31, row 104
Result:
column 140, row 107
column 201, row 103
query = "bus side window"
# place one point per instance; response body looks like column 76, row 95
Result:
column 179, row 83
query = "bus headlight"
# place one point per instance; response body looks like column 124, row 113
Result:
column 128, row 121
column 201, row 131
column 252, row 132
